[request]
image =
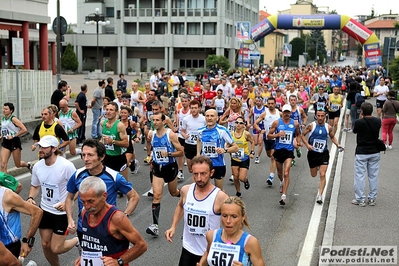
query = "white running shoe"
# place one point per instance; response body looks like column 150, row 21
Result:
column 180, row 176
column 152, row 230
column 231, row 178
column 257, row 160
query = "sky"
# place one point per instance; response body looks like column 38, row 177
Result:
column 345, row 7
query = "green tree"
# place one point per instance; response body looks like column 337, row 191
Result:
column 316, row 42
column 372, row 15
column 359, row 49
column 70, row 30
column 298, row 48
column 69, row 60
column 394, row 72
column 220, row 60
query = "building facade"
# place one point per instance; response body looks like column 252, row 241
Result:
column 147, row 34
column 26, row 19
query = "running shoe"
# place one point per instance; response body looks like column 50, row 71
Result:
column 231, row 178
column 293, row 163
column 371, row 202
column 246, row 184
column 30, row 167
column 132, row 167
column 150, row 193
column 282, row 199
column 390, row 147
column 298, row 153
column 147, row 159
column 361, row 203
column 257, row 160
column 238, row 194
column 180, row 175
column 185, row 163
column 319, row 199
column 349, row 130
column 136, row 167
column 152, row 230
column 269, row 181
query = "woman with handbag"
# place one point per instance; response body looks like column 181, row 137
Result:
column 389, row 111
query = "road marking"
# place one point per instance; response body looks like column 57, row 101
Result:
column 310, row 240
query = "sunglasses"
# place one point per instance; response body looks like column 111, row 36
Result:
column 320, row 109
column 240, row 123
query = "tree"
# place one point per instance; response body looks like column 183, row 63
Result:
column 220, row 60
column 298, row 48
column 317, row 45
column 359, row 49
column 372, row 15
column 69, row 60
column 394, row 72
column 70, row 30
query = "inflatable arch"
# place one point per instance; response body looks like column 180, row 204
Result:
column 349, row 25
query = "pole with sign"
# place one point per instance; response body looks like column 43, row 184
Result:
column 17, row 60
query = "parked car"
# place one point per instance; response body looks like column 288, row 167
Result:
column 341, row 58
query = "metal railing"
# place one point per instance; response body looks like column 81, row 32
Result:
column 175, row 12
column 35, row 88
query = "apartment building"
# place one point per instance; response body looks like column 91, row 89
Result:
column 144, row 34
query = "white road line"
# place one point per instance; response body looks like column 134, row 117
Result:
column 310, row 240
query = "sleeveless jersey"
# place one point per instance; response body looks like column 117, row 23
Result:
column 231, row 124
column 245, row 108
column 197, row 91
column 288, row 94
column 96, row 240
column 135, row 95
column 8, row 128
column 220, row 251
column 181, row 117
column 321, row 101
column 219, row 104
column 286, row 142
column 265, row 95
column 335, row 103
column 257, row 112
column 160, row 144
column 279, row 102
column 112, row 132
column 10, row 229
column 296, row 115
column 48, row 131
column 269, row 119
column 305, row 98
column 238, row 92
column 213, row 138
column 208, row 96
column 318, row 137
column 68, row 123
column 199, row 217
column 243, row 148
column 251, row 95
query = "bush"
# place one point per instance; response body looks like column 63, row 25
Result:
column 199, row 71
column 69, row 60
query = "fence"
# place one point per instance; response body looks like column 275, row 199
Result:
column 35, row 89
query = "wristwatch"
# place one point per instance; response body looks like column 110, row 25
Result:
column 169, row 154
column 225, row 150
column 30, row 241
column 120, row 262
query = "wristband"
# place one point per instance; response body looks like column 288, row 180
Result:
column 30, row 198
column 252, row 153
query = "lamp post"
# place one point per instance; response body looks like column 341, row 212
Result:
column 97, row 18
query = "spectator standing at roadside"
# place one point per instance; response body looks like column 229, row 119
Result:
column 367, row 156
column 62, row 92
column 122, row 83
column 389, row 111
column 109, row 91
column 96, row 105
column 81, row 110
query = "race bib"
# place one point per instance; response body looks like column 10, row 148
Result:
column 334, row 107
column 149, row 114
column 4, row 132
column 208, row 102
column 209, row 149
column 320, row 105
column 50, row 193
column 286, row 139
column 219, row 109
column 192, row 137
column 197, row 222
column 109, row 147
column 231, row 126
column 135, row 104
column 90, row 258
column 158, row 158
column 319, row 145
column 239, row 154
column 224, row 254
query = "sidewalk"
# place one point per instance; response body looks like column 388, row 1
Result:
column 370, row 225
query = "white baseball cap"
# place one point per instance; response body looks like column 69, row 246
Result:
column 287, row 107
column 48, row 141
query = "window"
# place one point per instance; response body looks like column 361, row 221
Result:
column 160, row 28
column 109, row 12
column 178, row 4
column 145, row 28
column 209, row 28
column 178, row 28
column 194, row 3
column 209, row 3
column 193, row 29
column 262, row 42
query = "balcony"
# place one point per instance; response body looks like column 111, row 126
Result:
column 175, row 12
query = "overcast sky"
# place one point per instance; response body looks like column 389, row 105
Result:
column 345, row 7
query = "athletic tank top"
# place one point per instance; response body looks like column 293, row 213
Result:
column 231, row 123
column 321, row 102
column 135, row 95
column 48, row 131
column 296, row 115
column 305, row 98
column 112, row 132
column 243, row 148
column 245, row 108
column 265, row 95
column 181, row 115
column 98, row 239
column 208, row 96
column 10, row 229
column 219, row 104
column 197, row 91
column 238, row 92
column 257, row 112
column 279, row 102
column 251, row 95
column 221, row 253
column 68, row 123
column 287, row 141
column 269, row 119
column 8, row 128
column 160, row 144
column 199, row 217
column 318, row 137
column 335, row 103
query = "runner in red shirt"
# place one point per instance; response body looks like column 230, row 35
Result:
column 208, row 96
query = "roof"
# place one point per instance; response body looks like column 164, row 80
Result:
column 382, row 24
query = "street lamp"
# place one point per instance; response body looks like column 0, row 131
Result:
column 97, row 19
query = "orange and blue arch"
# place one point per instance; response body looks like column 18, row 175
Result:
column 347, row 24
